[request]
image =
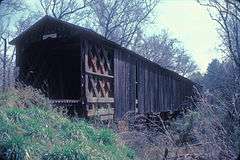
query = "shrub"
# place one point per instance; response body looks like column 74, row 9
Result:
column 207, row 131
column 183, row 127
column 218, row 129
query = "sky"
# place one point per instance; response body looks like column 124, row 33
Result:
column 190, row 23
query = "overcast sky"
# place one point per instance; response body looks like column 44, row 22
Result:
column 190, row 23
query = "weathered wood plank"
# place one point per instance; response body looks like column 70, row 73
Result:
column 151, row 89
column 99, row 74
column 141, row 88
column 146, row 90
column 100, row 100
column 160, row 91
column 156, row 91
column 132, row 84
column 106, row 58
column 124, row 87
column 126, row 79
column 116, row 85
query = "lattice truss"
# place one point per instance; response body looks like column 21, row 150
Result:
column 98, row 87
column 99, row 69
column 99, row 60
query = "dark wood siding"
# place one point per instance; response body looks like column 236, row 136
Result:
column 124, row 82
column 159, row 90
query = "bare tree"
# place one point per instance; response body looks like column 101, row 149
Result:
column 64, row 9
column 167, row 52
column 120, row 20
column 221, row 80
column 8, row 9
column 6, row 60
column 197, row 77
column 226, row 13
column 24, row 22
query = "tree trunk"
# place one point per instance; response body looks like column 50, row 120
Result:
column 4, row 60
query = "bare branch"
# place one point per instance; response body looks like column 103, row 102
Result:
column 228, row 19
column 61, row 9
column 120, row 20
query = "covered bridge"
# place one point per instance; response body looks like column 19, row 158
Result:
column 81, row 69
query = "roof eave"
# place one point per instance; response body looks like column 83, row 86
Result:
column 16, row 39
column 13, row 42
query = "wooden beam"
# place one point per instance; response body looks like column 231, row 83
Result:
column 98, row 53
column 65, row 101
column 101, row 112
column 100, row 100
column 94, row 86
column 106, row 58
column 99, row 74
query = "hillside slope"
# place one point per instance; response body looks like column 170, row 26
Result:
column 29, row 129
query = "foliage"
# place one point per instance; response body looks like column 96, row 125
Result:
column 213, row 126
column 197, row 77
column 218, row 127
column 33, row 130
column 183, row 127
column 221, row 80
column 207, row 131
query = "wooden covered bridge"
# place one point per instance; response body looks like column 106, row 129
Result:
column 79, row 68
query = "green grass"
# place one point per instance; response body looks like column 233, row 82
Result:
column 39, row 132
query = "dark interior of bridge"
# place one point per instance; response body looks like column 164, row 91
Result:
column 54, row 67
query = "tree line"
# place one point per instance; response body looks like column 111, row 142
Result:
column 221, row 82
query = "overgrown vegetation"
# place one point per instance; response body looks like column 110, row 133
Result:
column 30, row 129
column 207, row 131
